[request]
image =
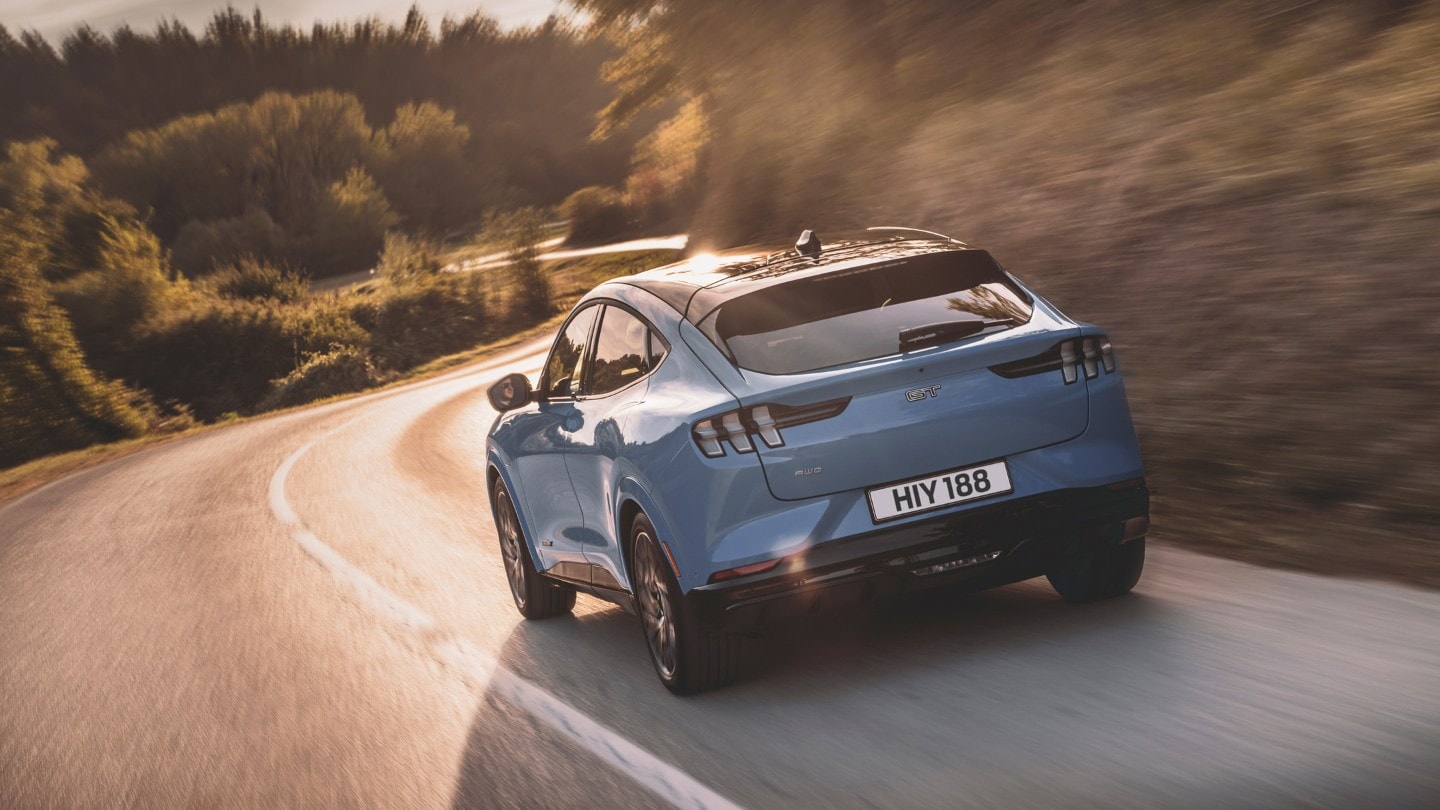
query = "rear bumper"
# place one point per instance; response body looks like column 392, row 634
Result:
column 979, row 548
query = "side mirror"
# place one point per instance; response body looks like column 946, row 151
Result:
column 511, row 392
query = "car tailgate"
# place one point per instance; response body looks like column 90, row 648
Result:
column 917, row 414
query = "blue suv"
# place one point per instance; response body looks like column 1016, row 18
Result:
column 744, row 438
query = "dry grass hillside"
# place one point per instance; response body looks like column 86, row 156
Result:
column 1246, row 194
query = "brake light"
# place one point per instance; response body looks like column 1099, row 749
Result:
column 764, row 421
column 708, row 438
column 1090, row 354
column 765, row 426
column 1067, row 361
column 737, row 433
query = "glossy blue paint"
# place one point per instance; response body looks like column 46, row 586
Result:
column 575, row 463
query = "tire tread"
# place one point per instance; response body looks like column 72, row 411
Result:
column 707, row 660
column 544, row 597
column 1104, row 575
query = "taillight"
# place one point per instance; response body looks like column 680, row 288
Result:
column 1071, row 357
column 765, row 426
column 1107, row 355
column 762, row 421
column 735, row 430
column 708, row 438
column 1095, row 353
column 1067, row 361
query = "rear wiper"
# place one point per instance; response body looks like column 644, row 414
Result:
column 934, row 334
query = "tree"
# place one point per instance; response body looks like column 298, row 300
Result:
column 421, row 163
column 665, row 178
column 282, row 178
column 280, row 154
column 349, row 227
column 544, row 80
column 781, row 90
column 595, row 213
column 521, row 231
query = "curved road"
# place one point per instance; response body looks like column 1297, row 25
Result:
column 309, row 610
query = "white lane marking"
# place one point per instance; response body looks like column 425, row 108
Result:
column 660, row 777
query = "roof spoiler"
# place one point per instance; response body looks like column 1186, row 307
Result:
column 916, row 231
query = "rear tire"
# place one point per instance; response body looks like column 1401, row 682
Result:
column 1102, row 575
column 687, row 659
column 536, row 597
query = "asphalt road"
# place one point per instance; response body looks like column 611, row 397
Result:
column 309, row 610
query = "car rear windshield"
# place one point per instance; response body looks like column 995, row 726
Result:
column 861, row 313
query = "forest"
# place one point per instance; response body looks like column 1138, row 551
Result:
column 167, row 198
column 1244, row 192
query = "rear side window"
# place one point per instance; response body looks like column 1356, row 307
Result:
column 621, row 352
column 859, row 314
column 657, row 350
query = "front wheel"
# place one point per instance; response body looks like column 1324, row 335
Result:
column 1102, row 575
column 687, row 659
column 535, row 596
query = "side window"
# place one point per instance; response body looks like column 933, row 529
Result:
column 657, row 352
column 564, row 369
column 621, row 352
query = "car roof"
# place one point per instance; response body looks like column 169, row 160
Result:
column 695, row 286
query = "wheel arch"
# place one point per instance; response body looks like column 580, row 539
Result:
column 629, row 509
column 494, row 471
column 634, row 499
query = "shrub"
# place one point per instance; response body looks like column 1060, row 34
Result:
column 319, row 325
column 429, row 318
column 406, row 258
column 130, row 284
column 201, row 247
column 341, row 370
column 220, row 356
column 351, row 220
column 363, row 307
column 255, row 279
column 595, row 213
column 50, row 400
column 161, row 418
column 57, row 187
column 521, row 232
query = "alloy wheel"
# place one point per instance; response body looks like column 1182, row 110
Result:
column 656, row 612
column 510, row 547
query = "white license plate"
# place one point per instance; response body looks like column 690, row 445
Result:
column 937, row 491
